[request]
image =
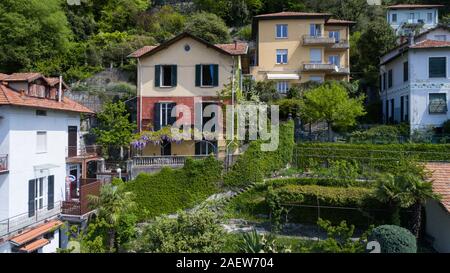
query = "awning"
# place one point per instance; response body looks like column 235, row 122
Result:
column 35, row 245
column 283, row 76
column 33, row 233
column 45, row 167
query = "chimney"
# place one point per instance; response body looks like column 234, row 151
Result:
column 60, row 89
column 22, row 92
column 235, row 44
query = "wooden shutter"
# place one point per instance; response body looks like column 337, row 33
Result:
column 198, row 71
column 157, row 117
column 51, row 192
column 172, row 120
column 215, row 75
column 174, row 75
column 157, row 75
column 31, row 197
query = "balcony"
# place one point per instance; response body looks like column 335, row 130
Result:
column 83, row 151
column 22, row 221
column 163, row 161
column 319, row 67
column 318, row 40
column 77, row 203
column 340, row 45
column 3, row 164
column 342, row 70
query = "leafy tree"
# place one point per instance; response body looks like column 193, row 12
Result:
column 31, row 30
column 403, row 190
column 331, row 103
column 339, row 238
column 244, row 33
column 115, row 213
column 121, row 15
column 209, row 27
column 266, row 91
column 164, row 24
column 114, row 128
column 197, row 232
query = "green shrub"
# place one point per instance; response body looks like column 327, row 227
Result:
column 320, row 181
column 174, row 189
column 378, row 134
column 288, row 106
column 446, row 127
column 255, row 164
column 394, row 239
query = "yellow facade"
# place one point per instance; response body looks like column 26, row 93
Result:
column 298, row 50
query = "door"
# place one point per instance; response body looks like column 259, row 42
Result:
column 73, row 141
column 315, row 55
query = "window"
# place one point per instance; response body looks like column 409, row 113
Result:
column 438, row 103
column 411, row 16
column 440, row 37
column 282, row 31
column 41, row 142
column 163, row 115
column 205, row 147
column 315, row 55
column 36, row 190
column 334, row 59
column 430, row 17
column 282, row 87
column 282, row 56
column 402, row 108
column 392, row 110
column 390, row 78
column 207, row 75
column 437, row 67
column 394, row 18
column 405, row 72
column 387, row 111
column 165, row 75
column 384, row 81
column 334, row 34
column 316, row 78
column 315, row 30
column 41, row 113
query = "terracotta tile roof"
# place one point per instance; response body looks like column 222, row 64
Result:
column 35, row 245
column 338, row 21
column 224, row 48
column 35, row 232
column 234, row 49
column 430, row 44
column 291, row 14
column 413, row 6
column 3, row 76
column 10, row 97
column 142, row 51
column 440, row 177
column 23, row 77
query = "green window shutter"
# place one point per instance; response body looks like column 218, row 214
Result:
column 31, row 191
column 198, row 71
column 174, row 75
column 437, row 67
column 215, row 75
column 157, row 117
column 157, row 75
column 51, row 192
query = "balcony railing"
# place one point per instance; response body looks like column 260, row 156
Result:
column 83, row 151
column 318, row 40
column 162, row 161
column 22, row 221
column 319, row 67
column 3, row 163
column 79, row 205
column 341, row 44
column 342, row 70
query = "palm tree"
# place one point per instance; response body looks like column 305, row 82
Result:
column 405, row 190
column 111, row 204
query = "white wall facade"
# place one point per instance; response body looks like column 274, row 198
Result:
column 18, row 139
column 405, row 16
column 438, row 226
column 418, row 87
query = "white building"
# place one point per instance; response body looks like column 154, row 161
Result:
column 404, row 15
column 415, row 80
column 35, row 124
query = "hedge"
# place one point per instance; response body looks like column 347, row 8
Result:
column 173, row 189
column 320, row 181
column 394, row 239
column 380, row 157
column 254, row 164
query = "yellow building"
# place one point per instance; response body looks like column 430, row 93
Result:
column 296, row 47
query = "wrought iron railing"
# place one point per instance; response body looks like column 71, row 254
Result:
column 24, row 220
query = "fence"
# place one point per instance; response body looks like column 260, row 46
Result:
column 23, row 220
